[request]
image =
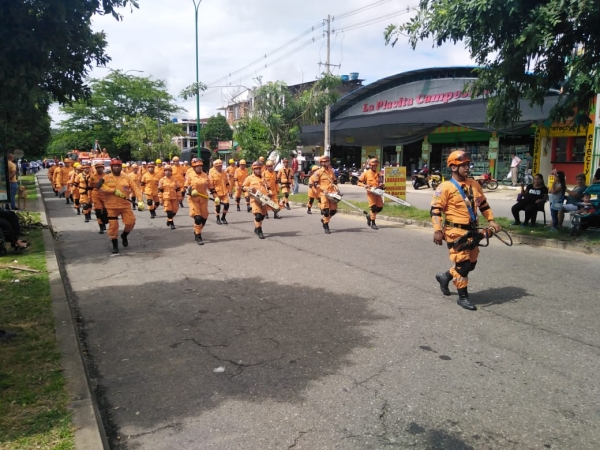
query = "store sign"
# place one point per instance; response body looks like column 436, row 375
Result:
column 395, row 181
column 413, row 95
column 587, row 156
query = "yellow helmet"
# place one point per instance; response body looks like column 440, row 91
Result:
column 314, row 168
column 158, row 161
column 231, row 161
column 269, row 163
column 76, row 165
column 123, row 165
column 218, row 162
column 242, row 161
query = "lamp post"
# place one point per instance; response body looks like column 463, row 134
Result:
column 196, row 6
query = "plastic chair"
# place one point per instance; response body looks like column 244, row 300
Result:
column 542, row 208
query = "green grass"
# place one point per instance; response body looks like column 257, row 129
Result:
column 33, row 396
column 29, row 182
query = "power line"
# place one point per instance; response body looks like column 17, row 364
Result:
column 361, row 9
column 373, row 20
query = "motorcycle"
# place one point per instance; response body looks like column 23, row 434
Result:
column 436, row 178
column 354, row 176
column 420, row 178
column 344, row 176
column 486, row 181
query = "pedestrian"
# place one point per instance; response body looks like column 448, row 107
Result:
column 459, row 200
column 169, row 194
column 74, row 188
column 324, row 180
column 557, row 197
column 198, row 187
column 117, row 188
column 285, row 179
column 371, row 178
column 256, row 182
column 230, row 175
column 150, row 185
column 218, row 178
column 12, row 180
column 296, row 172
column 61, row 179
column 179, row 175
column 514, row 168
column 83, row 185
column 239, row 176
column 270, row 177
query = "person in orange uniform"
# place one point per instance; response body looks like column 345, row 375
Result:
column 61, row 179
column 179, row 175
column 116, row 189
column 97, row 196
column 239, row 176
column 261, row 160
column 51, row 171
column 169, row 193
column 458, row 228
column 270, row 177
column 158, row 168
column 198, row 187
column 150, row 185
column 313, row 192
column 136, row 176
column 256, row 182
column 371, row 178
column 82, row 184
column 230, row 175
column 325, row 182
column 285, row 179
column 103, row 154
column 218, row 178
column 73, row 188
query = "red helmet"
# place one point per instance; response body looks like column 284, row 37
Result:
column 116, row 162
column 458, row 157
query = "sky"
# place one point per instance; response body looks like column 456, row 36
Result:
column 159, row 39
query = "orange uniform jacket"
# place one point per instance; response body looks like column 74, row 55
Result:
column 83, row 182
column 231, row 174
column 219, row 181
column 61, row 176
column 271, row 182
column 150, row 183
column 323, row 180
column 259, row 183
column 200, row 183
column 179, row 173
column 285, row 177
column 51, row 171
column 169, row 189
column 124, row 184
column 136, row 177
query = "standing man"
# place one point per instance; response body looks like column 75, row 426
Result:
column 325, row 182
column 98, row 197
column 218, row 178
column 116, row 189
column 514, row 167
column 285, row 179
column 270, row 177
column 459, row 200
column 198, row 186
column 371, row 178
column 150, row 185
column 239, row 176
column 296, row 172
column 253, row 183
column 12, row 179
column 169, row 193
column 230, row 175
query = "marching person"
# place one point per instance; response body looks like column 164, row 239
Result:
column 325, row 182
column 51, row 171
column 230, row 176
column 459, row 199
column 97, row 196
column 169, row 193
column 239, row 176
column 82, row 184
column 179, row 175
column 254, row 183
column 73, row 188
column 61, row 179
column 150, row 185
column 285, row 178
column 198, row 187
column 270, row 177
column 261, row 160
column 117, row 188
column 218, row 178
column 371, row 178
column 313, row 192
column 136, row 176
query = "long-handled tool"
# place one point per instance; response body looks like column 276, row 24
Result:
column 382, row 193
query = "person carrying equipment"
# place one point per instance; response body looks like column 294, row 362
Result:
column 150, row 185
column 198, row 187
column 239, row 176
column 230, row 175
column 82, row 182
column 459, row 199
column 371, row 178
column 270, row 177
column 325, row 182
column 285, row 179
column 218, row 178
column 117, row 188
column 255, row 182
column 169, row 193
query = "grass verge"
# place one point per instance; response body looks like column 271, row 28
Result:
column 33, row 395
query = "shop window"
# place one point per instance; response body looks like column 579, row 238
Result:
column 578, row 149
column 559, row 153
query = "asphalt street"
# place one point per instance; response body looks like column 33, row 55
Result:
column 343, row 341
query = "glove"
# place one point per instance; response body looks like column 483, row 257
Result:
column 119, row 194
column 217, row 201
column 140, row 206
column 194, row 193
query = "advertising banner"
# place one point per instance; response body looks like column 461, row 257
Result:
column 395, row 181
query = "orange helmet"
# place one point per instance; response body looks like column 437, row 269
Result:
column 256, row 164
column 242, row 161
column 324, row 159
column 269, row 163
column 373, row 161
column 197, row 162
column 218, row 162
column 116, row 162
column 458, row 157
column 168, row 167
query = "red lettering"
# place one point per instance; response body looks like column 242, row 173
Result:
column 365, row 107
column 380, row 105
column 420, row 99
column 437, row 97
column 448, row 96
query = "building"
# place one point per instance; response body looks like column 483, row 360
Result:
column 189, row 137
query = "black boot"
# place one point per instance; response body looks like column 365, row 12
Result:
column 223, row 220
column 115, row 243
column 260, row 233
column 248, row 208
column 198, row 238
column 218, row 220
column 56, row 193
column 181, row 204
column 373, row 225
column 276, row 216
column 463, row 300
column 88, row 217
column 102, row 228
column 308, row 211
column 444, row 279
column 369, row 221
column 67, row 200
column 173, row 226
column 287, row 206
column 124, row 238
column 326, row 227
column 238, row 207
column 266, row 215
column 152, row 214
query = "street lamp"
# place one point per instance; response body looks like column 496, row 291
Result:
column 196, row 6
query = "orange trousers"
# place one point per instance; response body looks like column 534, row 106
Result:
column 463, row 260
column 113, row 221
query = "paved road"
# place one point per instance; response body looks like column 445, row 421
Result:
column 310, row 341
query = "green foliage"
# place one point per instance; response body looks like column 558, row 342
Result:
column 192, row 90
column 216, row 129
column 253, row 137
column 524, row 49
column 140, row 133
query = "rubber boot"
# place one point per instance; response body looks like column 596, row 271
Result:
column 56, row 193
column 248, row 208
column 67, row 200
column 288, row 207
column 181, row 203
column 373, row 225
column 102, row 228
column 260, row 233
column 276, row 216
column 124, row 239
column 115, row 243
column 326, row 227
column 88, row 217
column 223, row 219
column 444, row 279
column 133, row 203
column 238, row 207
column 173, row 226
column 152, row 213
column 219, row 220
column 308, row 211
column 463, row 300
column 369, row 221
column 198, row 239
column 78, row 211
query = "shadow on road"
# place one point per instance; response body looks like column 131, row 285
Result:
column 499, row 296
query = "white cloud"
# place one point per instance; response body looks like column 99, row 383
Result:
column 159, row 38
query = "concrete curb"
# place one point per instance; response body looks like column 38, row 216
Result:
column 89, row 432
column 517, row 238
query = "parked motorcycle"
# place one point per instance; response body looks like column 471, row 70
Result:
column 487, row 181
column 420, row 178
column 354, row 176
column 344, row 175
column 436, row 178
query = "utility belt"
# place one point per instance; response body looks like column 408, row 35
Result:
column 462, row 226
column 469, row 240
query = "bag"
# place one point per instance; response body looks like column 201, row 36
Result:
column 509, row 175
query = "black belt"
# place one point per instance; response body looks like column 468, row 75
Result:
column 462, row 226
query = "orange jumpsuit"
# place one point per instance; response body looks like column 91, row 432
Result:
column 82, row 183
column 313, row 193
column 285, row 178
column 61, row 180
column 136, row 176
column 179, row 173
column 150, row 185
column 271, row 182
column 447, row 200
column 51, row 171
column 198, row 204
column 323, row 179
column 169, row 193
column 97, row 198
column 258, row 209
column 221, row 186
column 230, row 178
column 117, row 206
column 371, row 178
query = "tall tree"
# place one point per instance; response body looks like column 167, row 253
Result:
column 216, row 129
column 252, row 136
column 524, row 49
column 147, row 143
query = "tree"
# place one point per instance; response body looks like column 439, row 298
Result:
column 216, row 129
column 524, row 50
column 141, row 134
column 252, row 136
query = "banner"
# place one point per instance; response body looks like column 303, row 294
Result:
column 395, row 181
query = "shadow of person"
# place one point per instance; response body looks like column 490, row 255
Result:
column 498, row 296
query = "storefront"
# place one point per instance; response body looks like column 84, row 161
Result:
column 419, row 117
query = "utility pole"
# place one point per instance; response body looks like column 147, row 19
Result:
column 326, row 142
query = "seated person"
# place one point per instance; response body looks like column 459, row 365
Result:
column 573, row 197
column 585, row 206
column 10, row 227
column 531, row 198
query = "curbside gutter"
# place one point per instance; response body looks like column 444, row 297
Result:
column 86, row 419
column 517, row 238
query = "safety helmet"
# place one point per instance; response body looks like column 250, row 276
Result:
column 194, row 160
column 458, row 157
column 150, row 164
column 231, row 161
column 269, row 163
column 314, row 168
column 261, row 158
column 134, row 166
column 285, row 160
column 76, row 165
column 86, row 164
column 61, row 164
column 124, row 165
column 144, row 163
column 67, row 161
column 197, row 162
column 158, row 161
column 168, row 167
column 218, row 162
column 128, row 163
column 242, row 161
column 116, row 162
column 373, row 161
column 99, row 164
column 324, row 159
column 256, row 164
column 175, row 159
